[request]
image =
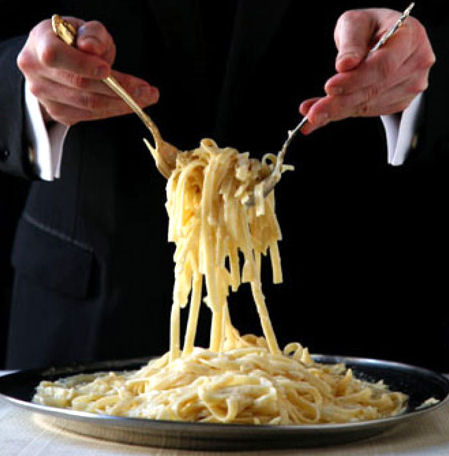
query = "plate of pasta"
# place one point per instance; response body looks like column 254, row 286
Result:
column 417, row 383
column 241, row 391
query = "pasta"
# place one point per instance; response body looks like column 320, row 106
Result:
column 237, row 379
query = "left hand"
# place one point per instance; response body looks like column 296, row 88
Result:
column 386, row 82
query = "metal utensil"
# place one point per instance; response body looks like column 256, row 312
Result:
column 275, row 176
column 164, row 153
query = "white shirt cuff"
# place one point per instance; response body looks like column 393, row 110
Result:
column 401, row 132
column 47, row 144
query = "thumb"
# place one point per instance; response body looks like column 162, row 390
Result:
column 353, row 35
column 92, row 37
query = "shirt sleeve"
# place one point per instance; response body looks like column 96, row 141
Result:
column 46, row 143
column 401, row 132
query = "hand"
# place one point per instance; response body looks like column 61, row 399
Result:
column 386, row 82
column 67, row 80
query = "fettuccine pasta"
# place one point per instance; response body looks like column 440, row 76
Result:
column 237, row 379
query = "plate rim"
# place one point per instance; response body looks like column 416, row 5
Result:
column 147, row 423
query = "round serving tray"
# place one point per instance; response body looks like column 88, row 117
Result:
column 420, row 384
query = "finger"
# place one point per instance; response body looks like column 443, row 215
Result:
column 53, row 53
column 380, row 69
column 359, row 104
column 133, row 85
column 45, row 89
column 70, row 115
column 398, row 54
column 317, row 116
column 66, row 114
column 341, row 106
column 92, row 37
column 308, row 128
column 353, row 33
column 305, row 106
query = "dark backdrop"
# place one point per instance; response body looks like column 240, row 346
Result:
column 364, row 244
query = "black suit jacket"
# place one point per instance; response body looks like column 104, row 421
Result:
column 362, row 239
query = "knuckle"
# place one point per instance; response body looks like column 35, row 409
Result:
column 76, row 80
column 353, row 15
column 418, row 86
column 53, row 111
column 371, row 93
column 432, row 58
column 418, row 30
column 89, row 101
column 362, row 110
column 35, row 88
column 345, row 19
column 385, row 67
column 24, row 60
column 40, row 28
column 427, row 60
column 98, row 30
column 426, row 56
column 47, row 54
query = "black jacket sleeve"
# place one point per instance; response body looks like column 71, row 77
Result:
column 14, row 148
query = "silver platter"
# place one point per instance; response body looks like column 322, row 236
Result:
column 420, row 384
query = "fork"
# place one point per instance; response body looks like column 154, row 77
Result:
column 163, row 152
column 270, row 181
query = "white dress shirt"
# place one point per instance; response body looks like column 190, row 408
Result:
column 47, row 143
column 401, row 133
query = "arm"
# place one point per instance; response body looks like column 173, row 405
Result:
column 66, row 82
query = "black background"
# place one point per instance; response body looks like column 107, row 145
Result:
column 365, row 244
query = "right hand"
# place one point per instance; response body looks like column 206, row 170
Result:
column 67, row 81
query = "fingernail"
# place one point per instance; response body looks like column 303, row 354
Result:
column 143, row 91
column 83, row 40
column 138, row 91
column 348, row 55
column 155, row 93
column 93, row 39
